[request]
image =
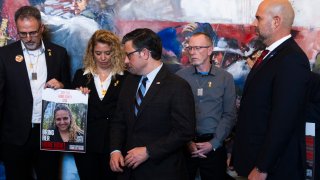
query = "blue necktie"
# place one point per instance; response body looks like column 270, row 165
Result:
column 140, row 94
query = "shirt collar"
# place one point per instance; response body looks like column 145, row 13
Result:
column 211, row 72
column 90, row 71
column 30, row 52
column 277, row 43
column 153, row 73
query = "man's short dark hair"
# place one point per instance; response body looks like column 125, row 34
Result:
column 27, row 12
column 145, row 38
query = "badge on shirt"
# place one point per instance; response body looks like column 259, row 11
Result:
column 34, row 76
column 200, row 92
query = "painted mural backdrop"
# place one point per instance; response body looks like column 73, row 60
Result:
column 70, row 23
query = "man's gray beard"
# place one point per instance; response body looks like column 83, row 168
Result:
column 261, row 38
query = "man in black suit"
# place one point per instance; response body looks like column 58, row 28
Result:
column 155, row 117
column 26, row 68
column 271, row 122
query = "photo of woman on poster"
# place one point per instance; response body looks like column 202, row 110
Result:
column 65, row 127
column 63, row 124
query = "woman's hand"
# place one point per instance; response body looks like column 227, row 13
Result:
column 84, row 90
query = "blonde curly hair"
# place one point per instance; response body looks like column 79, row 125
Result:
column 117, row 54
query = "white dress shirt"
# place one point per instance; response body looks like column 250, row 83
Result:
column 36, row 63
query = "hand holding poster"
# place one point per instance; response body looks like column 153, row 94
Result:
column 64, row 120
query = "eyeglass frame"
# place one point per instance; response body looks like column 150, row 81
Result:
column 130, row 53
column 195, row 48
column 31, row 34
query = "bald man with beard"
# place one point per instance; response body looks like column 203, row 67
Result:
column 269, row 140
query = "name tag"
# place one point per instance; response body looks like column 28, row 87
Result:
column 34, row 76
column 200, row 92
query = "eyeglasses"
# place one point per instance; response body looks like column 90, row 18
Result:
column 31, row 34
column 130, row 53
column 196, row 48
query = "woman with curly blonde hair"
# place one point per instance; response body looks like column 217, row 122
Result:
column 102, row 77
column 114, row 56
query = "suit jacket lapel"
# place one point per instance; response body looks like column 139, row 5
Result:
column 114, row 82
column 22, row 67
column 49, row 60
column 109, row 93
column 255, row 70
column 93, row 88
column 153, row 90
column 133, row 90
column 270, row 57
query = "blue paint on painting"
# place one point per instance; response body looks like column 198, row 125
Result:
column 169, row 41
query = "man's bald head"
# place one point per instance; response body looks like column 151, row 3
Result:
column 274, row 19
column 282, row 9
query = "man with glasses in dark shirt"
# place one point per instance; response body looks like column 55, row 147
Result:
column 26, row 68
column 214, row 94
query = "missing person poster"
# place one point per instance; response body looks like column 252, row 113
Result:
column 64, row 120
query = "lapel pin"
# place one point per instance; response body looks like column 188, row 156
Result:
column 49, row 52
column 209, row 84
column 158, row 82
column 116, row 83
column 19, row 58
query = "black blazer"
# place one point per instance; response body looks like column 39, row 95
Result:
column 271, row 121
column 15, row 91
column 165, row 123
column 100, row 112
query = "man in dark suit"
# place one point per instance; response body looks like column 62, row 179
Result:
column 26, row 68
column 155, row 116
column 271, row 122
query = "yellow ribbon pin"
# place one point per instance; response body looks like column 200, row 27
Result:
column 116, row 83
column 49, row 52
